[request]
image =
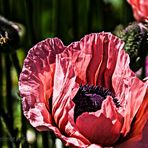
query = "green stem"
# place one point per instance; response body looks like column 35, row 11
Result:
column 57, row 16
column 45, row 139
column 75, row 18
column 1, row 99
column 16, row 64
column 9, row 97
column 90, row 12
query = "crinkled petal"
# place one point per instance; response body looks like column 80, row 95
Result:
column 129, row 90
column 36, row 80
column 111, row 47
column 96, row 58
column 65, row 88
column 140, row 9
column 36, row 87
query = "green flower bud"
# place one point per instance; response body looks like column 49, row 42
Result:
column 135, row 37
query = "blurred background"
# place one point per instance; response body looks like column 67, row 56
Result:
column 27, row 22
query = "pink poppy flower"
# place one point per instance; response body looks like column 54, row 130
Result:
column 85, row 92
column 140, row 9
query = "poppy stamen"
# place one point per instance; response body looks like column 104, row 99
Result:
column 89, row 98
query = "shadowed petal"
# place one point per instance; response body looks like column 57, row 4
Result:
column 139, row 141
column 138, row 136
column 129, row 90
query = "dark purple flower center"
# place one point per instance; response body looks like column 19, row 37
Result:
column 90, row 98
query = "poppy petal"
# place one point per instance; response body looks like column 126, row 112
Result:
column 140, row 9
column 107, row 121
column 36, row 88
column 139, row 141
column 65, row 88
column 36, row 80
column 91, row 67
column 129, row 90
column 94, row 146
column 110, row 51
column 141, row 118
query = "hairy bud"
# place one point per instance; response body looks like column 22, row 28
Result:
column 135, row 37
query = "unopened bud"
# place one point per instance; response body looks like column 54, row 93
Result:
column 10, row 35
column 135, row 37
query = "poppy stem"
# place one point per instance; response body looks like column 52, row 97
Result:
column 29, row 21
column 89, row 22
column 15, row 61
column 9, row 97
column 1, row 100
column 45, row 139
column 75, row 18
column 16, row 64
column 57, row 23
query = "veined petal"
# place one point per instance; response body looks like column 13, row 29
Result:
column 65, row 88
column 36, row 80
column 129, row 89
column 36, row 87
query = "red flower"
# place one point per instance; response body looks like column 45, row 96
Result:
column 55, row 95
column 140, row 9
